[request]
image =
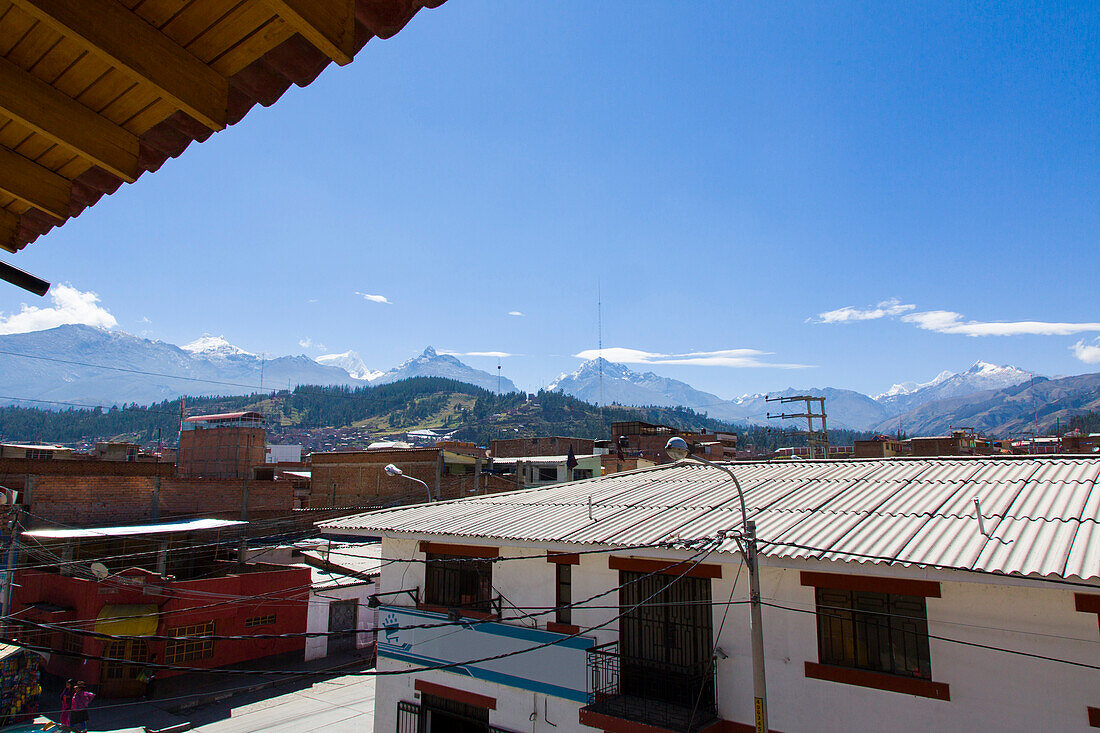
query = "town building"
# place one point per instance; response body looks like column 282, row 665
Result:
column 282, row 453
column 344, row 576
column 540, row 446
column 359, row 479
column 613, row 463
column 36, row 452
column 647, row 440
column 882, row 446
column 543, row 470
column 180, row 580
column 227, row 445
column 902, row 594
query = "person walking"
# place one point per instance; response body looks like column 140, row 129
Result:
column 66, row 703
column 78, row 718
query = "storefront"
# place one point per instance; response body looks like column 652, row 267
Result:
column 20, row 684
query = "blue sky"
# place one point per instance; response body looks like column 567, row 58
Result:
column 724, row 173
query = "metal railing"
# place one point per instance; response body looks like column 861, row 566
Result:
column 673, row 696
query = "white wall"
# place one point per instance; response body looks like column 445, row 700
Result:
column 317, row 618
column 989, row 690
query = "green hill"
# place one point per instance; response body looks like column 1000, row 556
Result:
column 473, row 413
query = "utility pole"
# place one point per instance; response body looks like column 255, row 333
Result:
column 813, row 438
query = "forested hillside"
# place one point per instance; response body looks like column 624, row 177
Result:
column 473, row 413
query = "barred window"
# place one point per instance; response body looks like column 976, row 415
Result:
column 563, row 613
column 880, row 632
column 190, row 646
column 259, row 621
column 458, row 582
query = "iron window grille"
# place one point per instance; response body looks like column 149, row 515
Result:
column 563, row 613
column 878, row 632
column 461, row 583
column 411, row 718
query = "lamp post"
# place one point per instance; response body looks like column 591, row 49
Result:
column 677, row 449
column 393, row 470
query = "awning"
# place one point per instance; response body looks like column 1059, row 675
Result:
column 131, row 620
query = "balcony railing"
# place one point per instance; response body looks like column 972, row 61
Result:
column 671, row 696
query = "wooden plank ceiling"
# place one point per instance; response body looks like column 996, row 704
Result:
column 96, row 92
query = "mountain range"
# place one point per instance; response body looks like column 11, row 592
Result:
column 88, row 365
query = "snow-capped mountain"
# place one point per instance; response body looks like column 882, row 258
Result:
column 623, row 386
column 214, row 346
column 433, row 364
column 844, row 408
column 350, row 362
column 70, row 361
column 980, row 377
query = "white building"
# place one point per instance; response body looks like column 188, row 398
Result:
column 613, row 605
column 282, row 453
column 543, row 470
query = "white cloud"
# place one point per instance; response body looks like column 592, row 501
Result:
column 1088, row 353
column 516, row 313
column 144, row 319
column 497, row 354
column 374, row 298
column 848, row 314
column 737, row 358
column 951, row 322
column 306, row 342
column 942, row 321
column 70, row 306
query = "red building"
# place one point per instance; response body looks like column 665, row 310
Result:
column 159, row 591
column 221, row 446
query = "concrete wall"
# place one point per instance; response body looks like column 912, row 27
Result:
column 367, row 617
column 989, row 690
column 544, row 446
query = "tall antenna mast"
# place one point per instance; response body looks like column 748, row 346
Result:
column 599, row 344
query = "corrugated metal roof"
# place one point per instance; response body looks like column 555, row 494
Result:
column 1041, row 514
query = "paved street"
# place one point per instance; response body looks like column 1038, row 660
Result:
column 339, row 705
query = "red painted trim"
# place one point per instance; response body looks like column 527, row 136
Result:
column 1086, row 602
column 879, row 681
column 563, row 558
column 450, row 693
column 1094, row 717
column 446, row 548
column 667, row 567
column 562, row 628
column 465, row 612
column 872, row 584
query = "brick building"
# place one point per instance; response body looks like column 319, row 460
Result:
column 87, row 501
column 552, row 445
column 647, row 440
column 221, row 446
column 154, row 589
column 359, row 478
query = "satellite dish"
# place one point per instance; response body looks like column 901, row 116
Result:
column 99, row 570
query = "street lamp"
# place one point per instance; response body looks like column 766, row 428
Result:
column 393, row 470
column 677, row 449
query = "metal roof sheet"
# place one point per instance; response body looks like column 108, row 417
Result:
column 1041, row 514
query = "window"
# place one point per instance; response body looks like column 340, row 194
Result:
column 189, row 645
column 72, row 643
column 450, row 715
column 548, row 474
column 879, row 632
column 564, row 595
column 259, row 621
column 454, row 581
column 39, row 455
column 581, row 473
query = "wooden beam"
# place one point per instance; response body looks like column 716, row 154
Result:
column 9, row 225
column 124, row 40
column 31, row 183
column 327, row 24
column 34, row 103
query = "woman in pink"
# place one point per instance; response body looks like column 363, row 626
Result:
column 66, row 703
column 81, row 700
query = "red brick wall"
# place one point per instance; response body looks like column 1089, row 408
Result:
column 220, row 452
column 544, row 446
column 102, row 500
column 358, row 478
